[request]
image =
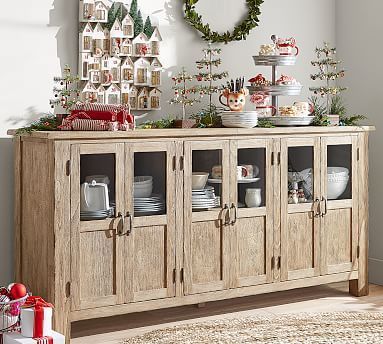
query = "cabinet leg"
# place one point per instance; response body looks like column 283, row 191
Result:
column 358, row 287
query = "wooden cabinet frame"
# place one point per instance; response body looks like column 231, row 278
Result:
column 48, row 222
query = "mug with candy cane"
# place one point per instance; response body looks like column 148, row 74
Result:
column 286, row 46
column 262, row 104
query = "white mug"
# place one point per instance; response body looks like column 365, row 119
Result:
column 242, row 172
column 304, row 108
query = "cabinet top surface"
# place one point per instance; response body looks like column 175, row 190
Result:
column 191, row 133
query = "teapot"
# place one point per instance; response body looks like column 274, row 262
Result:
column 94, row 196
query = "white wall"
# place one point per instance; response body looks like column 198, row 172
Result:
column 47, row 33
column 358, row 28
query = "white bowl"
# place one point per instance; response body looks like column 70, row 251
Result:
column 335, row 188
column 199, row 180
column 338, row 171
column 143, row 180
column 143, row 191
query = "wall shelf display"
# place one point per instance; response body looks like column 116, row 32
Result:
column 165, row 236
column 113, row 55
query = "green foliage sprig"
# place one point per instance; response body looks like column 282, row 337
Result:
column 240, row 32
column 265, row 123
column 209, row 117
column 45, row 123
column 164, row 123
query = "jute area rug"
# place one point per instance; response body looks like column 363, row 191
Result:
column 358, row 328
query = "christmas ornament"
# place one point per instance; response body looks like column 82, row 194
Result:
column 18, row 291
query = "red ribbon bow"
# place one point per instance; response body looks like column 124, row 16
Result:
column 38, row 303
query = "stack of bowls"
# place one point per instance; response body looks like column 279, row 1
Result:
column 337, row 181
column 199, row 180
column 245, row 119
column 143, row 186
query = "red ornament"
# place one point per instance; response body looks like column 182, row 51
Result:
column 18, row 291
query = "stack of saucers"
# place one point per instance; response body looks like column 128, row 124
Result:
column 96, row 214
column 204, row 199
column 147, row 206
column 245, row 119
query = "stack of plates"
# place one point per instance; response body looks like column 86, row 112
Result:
column 147, row 206
column 245, row 119
column 97, row 214
column 204, row 199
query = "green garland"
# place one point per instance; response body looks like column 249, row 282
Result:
column 239, row 33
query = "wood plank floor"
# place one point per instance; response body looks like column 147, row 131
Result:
column 331, row 298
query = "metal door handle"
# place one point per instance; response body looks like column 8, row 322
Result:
column 130, row 216
column 318, row 208
column 233, row 206
column 325, row 206
column 121, row 225
column 225, row 215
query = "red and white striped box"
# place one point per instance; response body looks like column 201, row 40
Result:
column 17, row 338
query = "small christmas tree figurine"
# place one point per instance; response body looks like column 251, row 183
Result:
column 206, row 74
column 328, row 71
column 66, row 90
column 148, row 28
column 183, row 94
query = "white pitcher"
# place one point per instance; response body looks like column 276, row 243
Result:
column 253, row 198
column 94, row 196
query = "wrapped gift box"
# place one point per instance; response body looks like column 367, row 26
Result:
column 17, row 338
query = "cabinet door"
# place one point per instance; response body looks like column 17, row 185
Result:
column 300, row 219
column 206, row 237
column 339, row 204
column 96, row 248
column 252, row 203
column 149, row 259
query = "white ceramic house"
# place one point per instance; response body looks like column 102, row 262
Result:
column 133, row 94
column 154, row 42
column 95, row 74
column 155, row 99
column 101, row 94
column 106, row 62
column 126, row 47
column 141, row 46
column 87, row 10
column 101, row 12
column 155, row 72
column 127, row 70
column 89, row 93
column 115, row 70
column 83, row 65
column 125, row 92
column 128, row 26
column 143, row 99
column 86, row 38
column 107, row 41
column 99, row 39
column 141, row 72
column 113, row 95
column 116, row 37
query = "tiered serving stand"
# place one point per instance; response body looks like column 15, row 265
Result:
column 275, row 91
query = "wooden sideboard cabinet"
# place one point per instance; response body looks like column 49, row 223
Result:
column 185, row 254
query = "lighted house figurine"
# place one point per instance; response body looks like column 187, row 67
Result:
column 125, row 93
column 101, row 12
column 106, row 41
column 126, row 47
column 113, row 95
column 141, row 46
column 89, row 93
column 115, row 69
column 127, row 70
column 99, row 39
column 83, row 65
column 95, row 75
column 133, row 97
column 143, row 99
column 87, row 10
column 128, row 26
column 155, row 72
column 106, row 66
column 116, row 37
column 154, row 97
column 141, row 71
column 154, row 42
column 101, row 94
column 86, row 38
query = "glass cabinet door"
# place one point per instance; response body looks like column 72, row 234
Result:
column 339, row 204
column 251, row 210
column 206, row 209
column 96, row 200
column 149, row 220
column 300, row 207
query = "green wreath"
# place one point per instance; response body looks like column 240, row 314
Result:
column 239, row 33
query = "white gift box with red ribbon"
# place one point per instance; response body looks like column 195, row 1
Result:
column 17, row 338
column 29, row 319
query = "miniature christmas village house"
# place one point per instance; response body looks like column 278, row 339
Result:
column 126, row 47
column 154, row 41
column 89, row 93
column 86, row 38
column 127, row 70
column 93, row 11
column 125, row 93
column 143, row 99
column 101, row 12
column 99, row 39
column 133, row 97
column 128, row 26
column 155, row 72
column 113, row 95
column 141, row 71
column 115, row 70
column 101, row 94
column 84, row 61
column 116, row 36
column 154, row 97
column 141, row 45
